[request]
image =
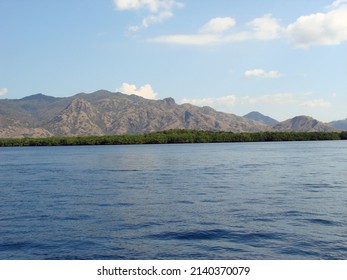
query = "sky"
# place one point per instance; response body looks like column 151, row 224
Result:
column 280, row 58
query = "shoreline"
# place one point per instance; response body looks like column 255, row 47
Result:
column 175, row 136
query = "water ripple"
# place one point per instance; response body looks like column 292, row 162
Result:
column 206, row 201
column 216, row 234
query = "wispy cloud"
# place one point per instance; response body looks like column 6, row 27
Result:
column 336, row 4
column 323, row 28
column 294, row 99
column 156, row 11
column 145, row 91
column 273, row 99
column 153, row 6
column 3, row 91
column 213, row 32
column 218, row 25
column 219, row 30
column 215, row 102
column 299, row 99
column 317, row 103
column 233, row 100
column 261, row 73
column 294, row 102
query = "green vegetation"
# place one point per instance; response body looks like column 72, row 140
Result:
column 174, row 136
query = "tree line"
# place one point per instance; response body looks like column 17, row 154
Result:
column 174, row 136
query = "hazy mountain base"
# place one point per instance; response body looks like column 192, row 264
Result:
column 341, row 124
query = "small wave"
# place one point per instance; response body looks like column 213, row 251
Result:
column 320, row 186
column 216, row 234
column 212, row 200
column 125, row 204
column 264, row 219
column 294, row 213
column 15, row 246
column 255, row 165
column 69, row 257
column 184, row 202
column 73, row 218
column 322, row 222
column 293, row 252
column 192, row 235
column 118, row 170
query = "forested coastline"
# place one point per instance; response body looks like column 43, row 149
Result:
column 174, row 136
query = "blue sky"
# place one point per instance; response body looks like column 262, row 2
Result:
column 281, row 58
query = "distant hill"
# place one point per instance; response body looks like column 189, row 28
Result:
column 106, row 113
column 342, row 124
column 256, row 116
column 303, row 124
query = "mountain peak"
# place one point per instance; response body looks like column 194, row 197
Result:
column 38, row 97
column 303, row 124
column 169, row 102
column 256, row 116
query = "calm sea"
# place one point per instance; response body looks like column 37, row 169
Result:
column 285, row 200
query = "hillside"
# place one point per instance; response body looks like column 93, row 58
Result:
column 107, row 113
column 341, row 124
column 256, row 116
column 303, row 124
column 114, row 113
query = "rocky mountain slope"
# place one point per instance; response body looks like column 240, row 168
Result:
column 256, row 116
column 107, row 113
column 303, row 124
column 104, row 113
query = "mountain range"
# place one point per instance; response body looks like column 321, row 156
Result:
column 341, row 124
column 107, row 113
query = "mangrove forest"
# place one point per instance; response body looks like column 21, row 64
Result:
column 174, row 136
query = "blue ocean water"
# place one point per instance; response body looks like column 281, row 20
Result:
column 284, row 200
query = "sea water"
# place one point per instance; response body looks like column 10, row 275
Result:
column 278, row 200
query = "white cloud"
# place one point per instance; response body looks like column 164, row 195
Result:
column 145, row 91
column 282, row 102
column 317, row 103
column 215, row 32
column 218, row 25
column 336, row 4
column 200, row 38
column 127, row 4
column 159, row 10
column 265, row 28
column 261, row 73
column 3, row 91
column 232, row 100
column 215, row 102
column 181, row 39
column 279, row 99
column 319, row 29
column 156, row 18
column 329, row 28
column 154, row 6
column 134, row 28
column 298, row 99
